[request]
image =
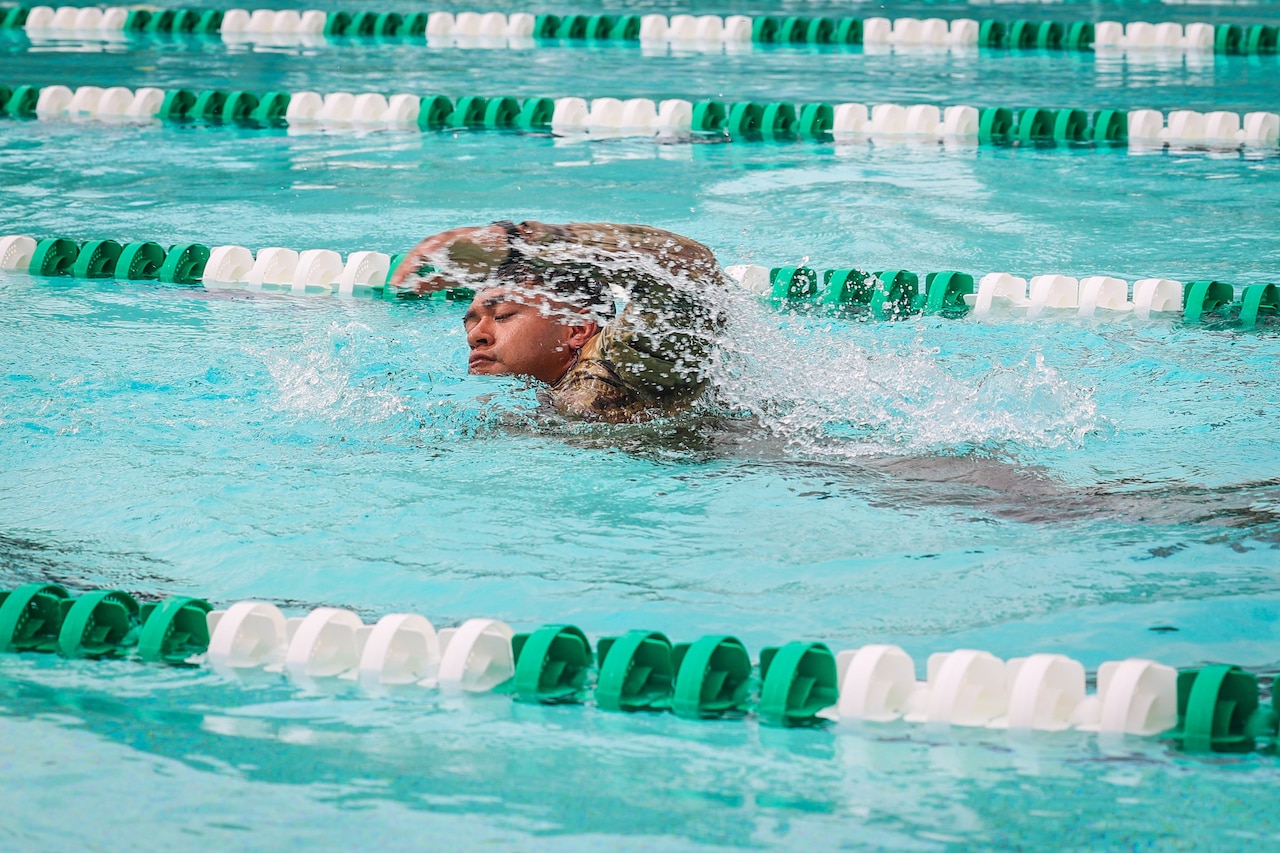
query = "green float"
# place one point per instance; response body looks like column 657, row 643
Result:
column 992, row 34
column 536, row 114
column 272, row 108
column 1079, row 36
column 744, row 119
column 1227, row 38
column 816, row 120
column 468, row 111
column 573, row 27
column 208, row 105
column 820, row 31
column 1070, row 125
column 778, row 118
column 501, row 113
column 546, row 26
column 599, row 27
column 1109, row 126
column 713, row 678
column 626, row 28
column 1219, row 711
column 434, row 112
column 552, row 665
column 337, row 24
column 1204, row 297
column 1034, row 125
column 708, row 117
column 177, row 104
column 1022, row 34
column 637, row 672
column 238, row 106
column 894, row 294
column 413, row 25
column 1049, row 35
column 766, row 29
column 848, row 31
column 363, row 24
column 174, row 630
column 54, row 256
column 31, row 617
column 388, row 24
column 1260, row 38
column 14, row 17
column 844, row 287
column 995, row 124
column 22, row 103
column 945, row 292
column 798, row 681
column 140, row 261
column 209, row 22
column 97, row 259
column 99, row 624
column 161, row 21
column 136, row 21
column 184, row 264
column 793, row 284
column 1262, row 298
column 185, row 21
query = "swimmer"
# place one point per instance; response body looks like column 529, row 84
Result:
column 544, row 308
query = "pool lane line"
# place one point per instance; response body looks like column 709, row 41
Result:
column 520, row 30
column 711, row 120
column 1215, row 708
column 882, row 294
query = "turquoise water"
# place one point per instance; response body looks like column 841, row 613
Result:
column 1012, row 485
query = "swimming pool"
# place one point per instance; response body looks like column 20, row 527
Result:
column 1118, row 498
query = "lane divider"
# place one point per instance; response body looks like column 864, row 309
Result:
column 800, row 683
column 901, row 294
column 612, row 117
column 883, row 294
column 519, row 29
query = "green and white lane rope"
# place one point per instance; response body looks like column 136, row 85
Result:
column 612, row 117
column 702, row 31
column 799, row 684
column 882, row 294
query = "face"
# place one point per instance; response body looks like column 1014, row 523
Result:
column 523, row 333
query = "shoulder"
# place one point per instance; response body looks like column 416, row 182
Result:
column 592, row 390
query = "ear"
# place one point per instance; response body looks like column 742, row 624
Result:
column 578, row 335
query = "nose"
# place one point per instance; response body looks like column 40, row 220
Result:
column 480, row 334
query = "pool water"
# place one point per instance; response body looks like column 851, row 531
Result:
column 1102, row 488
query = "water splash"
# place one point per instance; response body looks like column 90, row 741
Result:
column 834, row 388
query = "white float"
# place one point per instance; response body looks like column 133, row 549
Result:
column 1156, row 294
column 1052, row 291
column 248, row 635
column 325, row 644
column 317, row 268
column 751, row 277
column 273, row 265
column 877, row 683
column 849, row 118
column 146, row 103
column 1135, row 696
column 999, row 287
column 965, row 688
column 364, row 269
column 304, row 106
column 1044, row 692
column 401, row 649
column 877, row 31
column 674, row 115
column 16, row 252
column 476, row 656
column 1100, row 291
column 569, row 114
column 227, row 265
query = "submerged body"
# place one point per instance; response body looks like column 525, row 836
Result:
column 545, row 308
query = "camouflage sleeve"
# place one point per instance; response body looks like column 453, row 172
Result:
column 673, row 288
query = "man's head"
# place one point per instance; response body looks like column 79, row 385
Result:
column 531, row 323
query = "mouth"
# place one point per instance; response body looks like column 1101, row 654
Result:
column 479, row 361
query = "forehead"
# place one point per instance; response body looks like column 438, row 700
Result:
column 487, row 300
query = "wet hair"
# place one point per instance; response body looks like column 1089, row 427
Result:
column 580, row 285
